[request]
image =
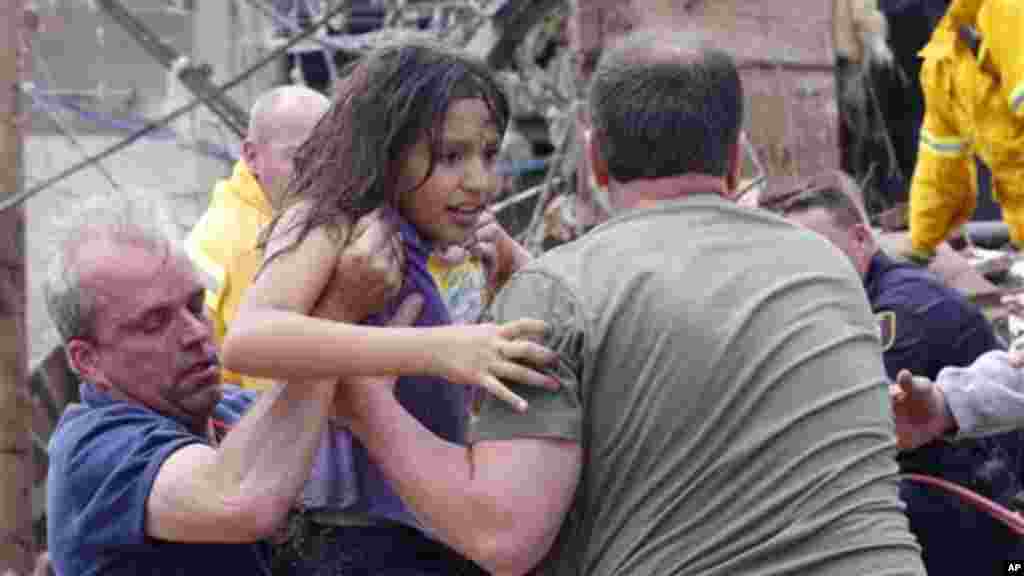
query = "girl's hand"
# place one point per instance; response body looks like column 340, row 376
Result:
column 500, row 254
column 485, row 354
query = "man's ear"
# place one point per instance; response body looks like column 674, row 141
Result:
column 249, row 155
column 598, row 164
column 82, row 359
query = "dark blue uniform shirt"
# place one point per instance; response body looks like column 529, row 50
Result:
column 926, row 326
column 104, row 457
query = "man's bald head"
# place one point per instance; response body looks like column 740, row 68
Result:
column 665, row 103
column 286, row 106
column 279, row 122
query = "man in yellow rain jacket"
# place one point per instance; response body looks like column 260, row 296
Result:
column 223, row 243
column 973, row 81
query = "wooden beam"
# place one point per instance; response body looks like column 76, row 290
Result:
column 16, row 538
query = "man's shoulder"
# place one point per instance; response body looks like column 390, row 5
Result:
column 556, row 270
column 701, row 232
column 219, row 222
column 908, row 286
column 81, row 420
column 919, row 306
column 106, row 429
column 223, row 227
column 225, row 231
column 97, row 448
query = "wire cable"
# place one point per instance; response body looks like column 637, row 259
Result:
column 130, row 123
column 162, row 122
column 64, row 128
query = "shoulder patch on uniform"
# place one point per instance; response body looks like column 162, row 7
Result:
column 886, row 328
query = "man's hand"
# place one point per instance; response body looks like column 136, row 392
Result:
column 500, row 254
column 368, row 273
column 920, row 410
column 350, row 397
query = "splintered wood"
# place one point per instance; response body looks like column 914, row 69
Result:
column 16, row 538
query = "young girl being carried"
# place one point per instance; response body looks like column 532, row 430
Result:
column 412, row 137
column 410, row 142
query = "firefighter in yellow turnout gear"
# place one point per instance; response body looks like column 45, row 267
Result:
column 973, row 82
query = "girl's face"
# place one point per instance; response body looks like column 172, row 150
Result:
column 446, row 208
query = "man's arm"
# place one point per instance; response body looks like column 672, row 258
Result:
column 986, row 397
column 240, row 491
column 904, row 341
column 502, row 501
column 982, row 399
column 930, row 329
column 499, row 503
column 1000, row 23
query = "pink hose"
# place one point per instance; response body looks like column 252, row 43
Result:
column 1013, row 520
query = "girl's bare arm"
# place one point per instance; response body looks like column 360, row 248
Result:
column 297, row 319
column 275, row 334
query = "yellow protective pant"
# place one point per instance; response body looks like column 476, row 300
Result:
column 974, row 106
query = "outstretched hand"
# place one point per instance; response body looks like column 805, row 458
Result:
column 485, row 354
column 920, row 410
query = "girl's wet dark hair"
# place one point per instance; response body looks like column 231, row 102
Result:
column 385, row 102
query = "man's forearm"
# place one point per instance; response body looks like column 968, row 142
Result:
column 435, row 479
column 266, row 458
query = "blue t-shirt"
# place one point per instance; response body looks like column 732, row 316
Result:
column 104, row 457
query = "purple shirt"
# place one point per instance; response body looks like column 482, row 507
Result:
column 436, row 403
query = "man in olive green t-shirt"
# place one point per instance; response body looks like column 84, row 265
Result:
column 723, row 408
